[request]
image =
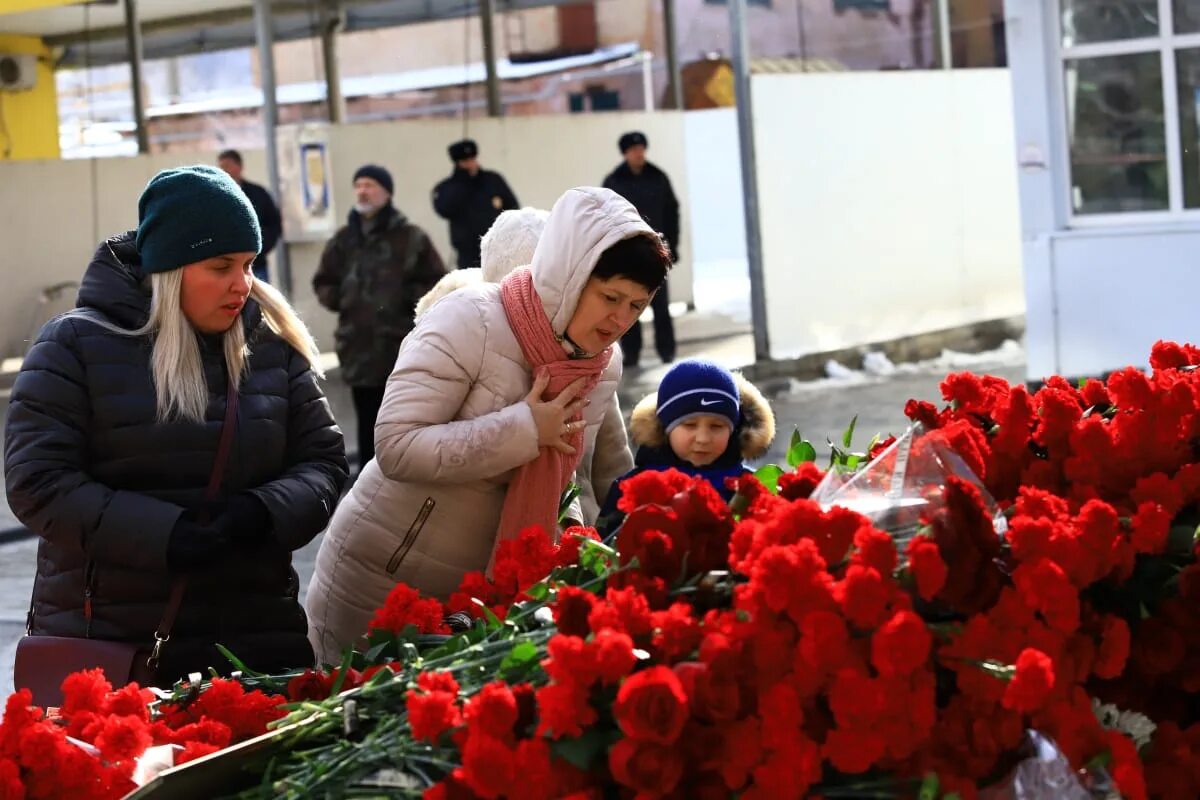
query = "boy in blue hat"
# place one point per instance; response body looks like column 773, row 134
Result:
column 703, row 421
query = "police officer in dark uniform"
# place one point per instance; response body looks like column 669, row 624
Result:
column 649, row 190
column 471, row 199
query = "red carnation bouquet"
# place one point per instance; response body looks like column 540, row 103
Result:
column 1008, row 603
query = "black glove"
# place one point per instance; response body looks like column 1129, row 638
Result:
column 245, row 519
column 193, row 546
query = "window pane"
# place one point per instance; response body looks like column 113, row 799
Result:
column 1115, row 123
column 1187, row 67
column 1087, row 21
column 1187, row 16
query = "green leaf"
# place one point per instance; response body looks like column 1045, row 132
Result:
column 596, row 557
column 1181, row 540
column 568, row 496
column 929, row 787
column 539, row 591
column 800, row 451
column 582, row 751
column 769, row 476
column 522, row 658
column 848, row 436
column 492, row 620
column 238, row 664
column 341, row 678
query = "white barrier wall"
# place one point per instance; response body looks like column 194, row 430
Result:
column 54, row 213
column 888, row 201
column 889, row 204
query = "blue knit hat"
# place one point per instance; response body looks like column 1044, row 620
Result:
column 695, row 387
column 191, row 214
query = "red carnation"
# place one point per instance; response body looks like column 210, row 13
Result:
column 130, row 701
column 85, row 691
column 652, row 706
column 312, row 685
column 875, row 549
column 863, row 596
column 923, row 412
column 650, row 768
column 1158, row 648
column 1032, row 682
column 571, row 609
column 926, row 565
column 571, row 543
column 713, row 697
column 651, row 488
column 432, row 713
column 625, row 610
column 676, row 632
column 1169, row 355
column 1126, row 766
column 492, row 710
column 613, row 655
column 799, row 485
column 901, row 645
column 405, row 606
column 563, row 710
column 488, row 765
column 123, row 738
column 1114, row 648
column 1151, row 528
column 193, row 751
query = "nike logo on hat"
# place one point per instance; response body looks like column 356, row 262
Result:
column 709, row 402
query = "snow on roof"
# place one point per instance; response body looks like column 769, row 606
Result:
column 391, row 83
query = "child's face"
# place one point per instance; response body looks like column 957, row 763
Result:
column 700, row 440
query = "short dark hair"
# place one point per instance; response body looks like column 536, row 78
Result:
column 643, row 259
column 232, row 155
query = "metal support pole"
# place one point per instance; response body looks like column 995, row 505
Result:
column 648, row 81
column 331, row 24
column 487, row 14
column 133, row 42
column 674, row 76
column 264, row 33
column 945, row 50
column 745, row 118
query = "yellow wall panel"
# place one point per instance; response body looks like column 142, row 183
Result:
column 29, row 118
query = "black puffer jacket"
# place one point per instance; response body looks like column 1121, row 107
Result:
column 651, row 194
column 91, row 471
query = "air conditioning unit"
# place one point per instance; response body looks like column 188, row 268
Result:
column 17, row 71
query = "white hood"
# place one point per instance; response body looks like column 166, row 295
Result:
column 510, row 242
column 583, row 224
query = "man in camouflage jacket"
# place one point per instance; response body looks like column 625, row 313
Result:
column 372, row 273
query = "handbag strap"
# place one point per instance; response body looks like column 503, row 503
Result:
column 228, row 429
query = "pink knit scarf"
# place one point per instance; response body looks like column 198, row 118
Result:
column 534, row 493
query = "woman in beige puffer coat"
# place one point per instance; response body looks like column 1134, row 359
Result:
column 455, row 425
column 508, row 244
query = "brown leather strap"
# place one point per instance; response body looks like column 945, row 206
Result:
column 228, row 429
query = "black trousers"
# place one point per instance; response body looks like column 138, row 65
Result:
column 367, row 400
column 664, row 332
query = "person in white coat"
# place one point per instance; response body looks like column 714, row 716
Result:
column 464, row 421
column 507, row 245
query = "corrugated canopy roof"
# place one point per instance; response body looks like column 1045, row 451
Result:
column 93, row 34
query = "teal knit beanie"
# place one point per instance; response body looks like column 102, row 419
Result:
column 190, row 214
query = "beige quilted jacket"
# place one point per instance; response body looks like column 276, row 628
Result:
column 454, row 427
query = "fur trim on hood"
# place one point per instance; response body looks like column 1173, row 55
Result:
column 508, row 244
column 756, row 433
column 455, row 279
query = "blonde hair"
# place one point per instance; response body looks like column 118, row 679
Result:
column 175, row 363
